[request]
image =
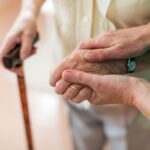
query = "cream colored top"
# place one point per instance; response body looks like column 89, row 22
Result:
column 78, row 20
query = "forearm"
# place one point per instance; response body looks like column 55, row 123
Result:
column 31, row 7
column 141, row 95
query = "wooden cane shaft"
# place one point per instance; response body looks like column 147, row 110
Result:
column 25, row 110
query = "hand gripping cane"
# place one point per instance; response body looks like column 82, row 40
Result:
column 11, row 60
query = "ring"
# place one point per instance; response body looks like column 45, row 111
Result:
column 74, row 87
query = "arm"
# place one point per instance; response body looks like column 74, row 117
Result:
column 113, row 89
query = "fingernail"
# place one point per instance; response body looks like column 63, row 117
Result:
column 51, row 81
column 58, row 88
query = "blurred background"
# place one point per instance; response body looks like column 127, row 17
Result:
column 48, row 116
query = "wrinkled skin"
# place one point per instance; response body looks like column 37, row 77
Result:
column 76, row 61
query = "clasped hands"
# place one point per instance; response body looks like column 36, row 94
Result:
column 95, row 71
column 92, row 89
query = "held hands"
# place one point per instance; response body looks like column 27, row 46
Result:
column 78, row 92
column 92, row 84
column 91, row 80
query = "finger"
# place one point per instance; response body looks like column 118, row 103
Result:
column 79, row 77
column 8, row 45
column 26, row 45
column 17, row 70
column 57, row 73
column 72, row 91
column 90, row 44
column 84, row 94
column 61, row 86
column 102, row 55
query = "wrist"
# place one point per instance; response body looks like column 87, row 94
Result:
column 141, row 94
column 31, row 7
column 29, row 13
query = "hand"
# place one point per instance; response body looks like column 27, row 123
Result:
column 76, row 61
column 113, row 89
column 119, row 44
column 23, row 31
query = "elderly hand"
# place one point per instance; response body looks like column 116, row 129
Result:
column 76, row 61
column 113, row 89
column 23, row 31
column 119, row 44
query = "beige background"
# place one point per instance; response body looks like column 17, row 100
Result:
column 48, row 115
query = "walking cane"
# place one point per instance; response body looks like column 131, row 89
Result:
column 11, row 60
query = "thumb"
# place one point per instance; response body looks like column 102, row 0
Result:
column 79, row 77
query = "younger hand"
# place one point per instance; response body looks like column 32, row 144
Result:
column 107, row 89
column 113, row 89
column 119, row 44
